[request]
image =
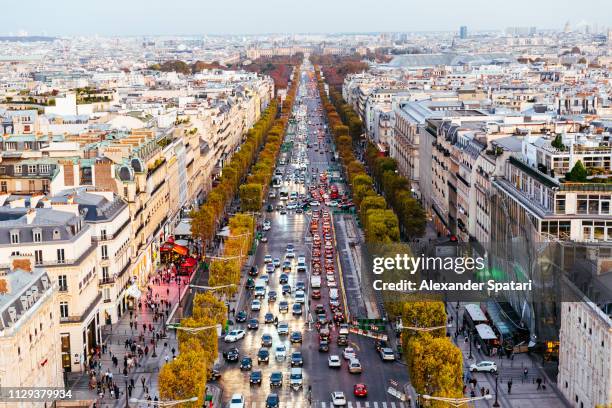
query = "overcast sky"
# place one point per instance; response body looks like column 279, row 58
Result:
column 185, row 17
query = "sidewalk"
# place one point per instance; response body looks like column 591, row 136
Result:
column 145, row 371
column 524, row 391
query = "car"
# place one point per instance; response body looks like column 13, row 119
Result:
column 333, row 361
column 253, row 324
column 231, row 354
column 276, row 262
column 300, row 285
column 283, row 306
column 342, row 340
column 297, row 360
column 287, row 266
column 299, row 211
column 381, row 344
column 263, row 355
column 343, row 329
column 296, row 309
column 272, row 194
column 265, row 279
column 241, row 316
column 301, row 259
column 283, row 211
column 484, row 366
column 295, row 337
column 255, row 305
column 269, row 208
column 267, row 258
column 272, row 296
column 283, row 279
column 338, row 399
column 282, row 328
column 272, row 401
column 354, row 366
column 315, row 294
column 250, row 284
column 267, row 225
column 255, row 377
column 280, row 353
column 360, row 390
column 387, row 354
column 270, row 268
column 266, row 340
column 286, row 289
column 324, row 346
column 269, row 318
column 253, row 271
column 234, row 335
column 300, row 296
column 237, row 401
column 214, row 373
column 348, row 353
column 276, row 379
column 246, row 363
column 264, row 239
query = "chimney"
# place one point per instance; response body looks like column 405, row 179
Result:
column 5, row 285
column 22, row 262
column 30, row 215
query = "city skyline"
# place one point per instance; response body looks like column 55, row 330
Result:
column 239, row 17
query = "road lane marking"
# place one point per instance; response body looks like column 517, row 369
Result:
column 322, row 404
column 367, row 404
column 384, row 404
column 375, row 404
column 401, row 404
column 358, row 404
column 350, row 404
column 392, row 404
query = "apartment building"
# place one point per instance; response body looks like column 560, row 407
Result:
column 57, row 237
column 29, row 328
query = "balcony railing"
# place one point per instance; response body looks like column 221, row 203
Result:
column 108, row 237
column 106, row 281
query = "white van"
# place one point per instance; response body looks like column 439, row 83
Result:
column 333, row 294
column 295, row 378
column 260, row 288
column 315, row 281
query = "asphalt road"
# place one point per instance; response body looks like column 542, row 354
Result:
column 294, row 228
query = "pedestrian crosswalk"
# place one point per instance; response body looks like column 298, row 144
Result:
column 329, row 404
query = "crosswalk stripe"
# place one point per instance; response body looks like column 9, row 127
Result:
column 358, row 404
column 384, row 404
column 401, row 404
column 375, row 404
column 367, row 404
column 350, row 404
column 322, row 404
column 392, row 404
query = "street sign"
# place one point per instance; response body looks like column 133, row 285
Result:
column 368, row 333
column 396, row 393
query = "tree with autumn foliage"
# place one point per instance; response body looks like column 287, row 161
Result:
column 184, row 378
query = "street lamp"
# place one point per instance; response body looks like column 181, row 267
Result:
column 496, row 403
column 212, row 287
column 168, row 403
column 456, row 402
column 426, row 329
column 192, row 330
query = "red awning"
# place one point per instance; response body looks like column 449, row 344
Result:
column 189, row 262
column 171, row 239
column 167, row 247
column 181, row 250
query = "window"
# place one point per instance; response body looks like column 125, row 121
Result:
column 14, row 237
column 32, row 186
column 63, row 283
column 63, row 310
column 60, row 256
column 18, row 169
column 44, row 168
column 37, row 235
column 560, row 204
column 56, row 234
column 105, row 272
column 31, row 169
column 3, row 187
column 28, row 145
column 103, row 234
column 107, row 295
column 11, row 145
column 104, row 249
column 38, row 257
column 45, row 185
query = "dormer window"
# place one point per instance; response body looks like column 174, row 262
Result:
column 37, row 235
column 14, row 236
column 56, row 234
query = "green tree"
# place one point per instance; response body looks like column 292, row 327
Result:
column 251, row 197
column 558, row 143
column 578, row 173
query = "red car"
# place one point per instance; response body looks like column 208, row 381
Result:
column 360, row 390
column 316, row 294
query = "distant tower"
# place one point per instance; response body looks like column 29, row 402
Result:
column 567, row 28
column 463, row 33
column 610, row 35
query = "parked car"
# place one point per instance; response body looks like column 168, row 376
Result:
column 484, row 366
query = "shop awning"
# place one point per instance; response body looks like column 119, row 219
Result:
column 485, row 332
column 133, row 291
column 181, row 250
column 171, row 239
column 475, row 313
column 190, row 262
column 181, row 242
column 183, row 227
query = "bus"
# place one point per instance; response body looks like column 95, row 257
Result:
column 284, row 193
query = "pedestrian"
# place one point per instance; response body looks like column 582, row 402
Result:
column 173, row 351
column 482, row 391
column 146, row 350
column 409, row 401
column 131, row 325
column 525, row 371
column 167, row 358
column 167, row 291
column 142, row 380
column 132, row 382
column 130, row 387
column 116, row 391
column 509, row 386
column 539, row 382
